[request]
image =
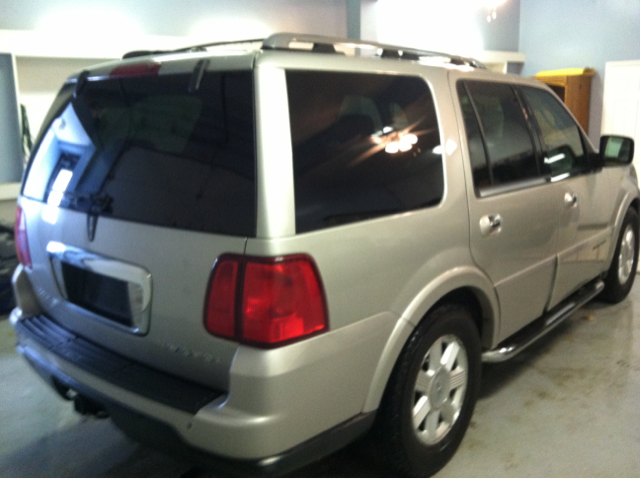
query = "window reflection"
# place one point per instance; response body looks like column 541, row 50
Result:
column 563, row 146
column 65, row 143
column 147, row 149
column 364, row 146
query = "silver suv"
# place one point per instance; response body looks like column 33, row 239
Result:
column 254, row 253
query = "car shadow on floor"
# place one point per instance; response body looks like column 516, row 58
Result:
column 498, row 375
column 88, row 448
column 356, row 460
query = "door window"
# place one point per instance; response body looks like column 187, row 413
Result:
column 564, row 154
column 494, row 117
column 478, row 157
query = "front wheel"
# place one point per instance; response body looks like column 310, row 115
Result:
column 431, row 393
column 622, row 271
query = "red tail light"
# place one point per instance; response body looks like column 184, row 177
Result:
column 22, row 243
column 281, row 301
column 265, row 301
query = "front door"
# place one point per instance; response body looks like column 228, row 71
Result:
column 585, row 227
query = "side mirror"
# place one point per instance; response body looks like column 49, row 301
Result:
column 616, row 150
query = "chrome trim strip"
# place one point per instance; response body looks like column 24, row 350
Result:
column 137, row 278
column 509, row 187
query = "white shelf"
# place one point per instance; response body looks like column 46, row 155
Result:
column 495, row 56
column 33, row 43
column 9, row 191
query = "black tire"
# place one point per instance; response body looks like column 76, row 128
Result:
column 620, row 276
column 413, row 451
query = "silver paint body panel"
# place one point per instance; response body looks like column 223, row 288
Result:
column 381, row 276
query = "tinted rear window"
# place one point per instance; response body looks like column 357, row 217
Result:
column 147, row 149
column 364, row 145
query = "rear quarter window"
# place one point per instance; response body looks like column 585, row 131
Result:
column 364, row 145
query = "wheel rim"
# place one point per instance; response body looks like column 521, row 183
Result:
column 439, row 389
column 627, row 254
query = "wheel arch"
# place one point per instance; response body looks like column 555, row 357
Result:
column 629, row 201
column 465, row 285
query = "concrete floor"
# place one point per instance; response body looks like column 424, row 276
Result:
column 568, row 406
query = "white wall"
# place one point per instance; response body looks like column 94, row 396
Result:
column 211, row 20
column 45, row 29
column 452, row 26
column 39, row 81
column 621, row 102
column 10, row 148
column 580, row 33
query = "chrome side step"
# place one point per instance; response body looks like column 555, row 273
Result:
column 531, row 333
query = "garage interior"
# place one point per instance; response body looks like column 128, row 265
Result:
column 567, row 406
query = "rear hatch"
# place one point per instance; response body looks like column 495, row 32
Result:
column 144, row 174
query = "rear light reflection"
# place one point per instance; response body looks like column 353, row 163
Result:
column 275, row 300
column 135, row 70
column 221, row 302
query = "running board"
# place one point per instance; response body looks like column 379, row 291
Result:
column 531, row 333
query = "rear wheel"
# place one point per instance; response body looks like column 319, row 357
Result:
column 622, row 271
column 432, row 392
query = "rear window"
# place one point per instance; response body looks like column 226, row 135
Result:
column 364, row 145
column 147, row 149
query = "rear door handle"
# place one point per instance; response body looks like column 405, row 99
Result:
column 490, row 224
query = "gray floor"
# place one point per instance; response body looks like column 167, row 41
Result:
column 568, row 406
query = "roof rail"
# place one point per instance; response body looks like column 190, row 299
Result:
column 284, row 41
column 323, row 44
column 193, row 48
column 204, row 46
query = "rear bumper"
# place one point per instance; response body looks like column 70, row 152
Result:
column 181, row 418
column 163, row 437
column 39, row 332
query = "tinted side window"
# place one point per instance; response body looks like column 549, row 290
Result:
column 364, row 145
column 506, row 134
column 478, row 157
column 561, row 136
column 147, row 149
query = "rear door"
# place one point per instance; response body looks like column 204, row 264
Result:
column 142, row 177
column 514, row 210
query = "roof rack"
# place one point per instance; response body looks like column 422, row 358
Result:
column 193, row 48
column 204, row 46
column 287, row 41
column 323, row 44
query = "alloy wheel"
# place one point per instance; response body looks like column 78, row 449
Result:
column 439, row 389
column 627, row 254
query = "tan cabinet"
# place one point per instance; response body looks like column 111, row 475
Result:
column 573, row 86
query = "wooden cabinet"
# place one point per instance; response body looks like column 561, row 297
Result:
column 573, row 86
